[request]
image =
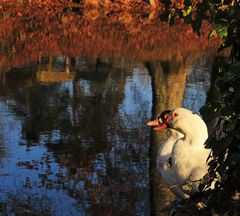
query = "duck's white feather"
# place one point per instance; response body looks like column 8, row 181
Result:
column 188, row 153
column 164, row 163
column 184, row 149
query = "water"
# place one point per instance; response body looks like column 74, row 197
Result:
column 77, row 143
column 79, row 146
column 75, row 95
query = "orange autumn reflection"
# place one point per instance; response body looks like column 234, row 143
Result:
column 27, row 33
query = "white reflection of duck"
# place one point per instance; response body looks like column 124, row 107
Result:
column 186, row 152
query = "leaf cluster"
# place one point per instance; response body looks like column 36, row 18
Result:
column 224, row 162
column 223, row 15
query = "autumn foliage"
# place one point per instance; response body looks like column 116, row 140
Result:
column 31, row 29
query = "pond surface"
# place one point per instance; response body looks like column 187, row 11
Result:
column 77, row 146
column 73, row 113
column 74, row 139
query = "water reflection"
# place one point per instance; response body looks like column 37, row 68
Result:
column 198, row 84
column 76, row 147
column 76, row 90
column 73, row 138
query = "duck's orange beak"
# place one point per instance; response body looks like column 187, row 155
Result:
column 156, row 125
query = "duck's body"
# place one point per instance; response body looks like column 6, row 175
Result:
column 164, row 163
column 188, row 165
column 187, row 152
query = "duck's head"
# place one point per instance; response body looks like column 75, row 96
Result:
column 182, row 120
column 186, row 121
column 162, row 122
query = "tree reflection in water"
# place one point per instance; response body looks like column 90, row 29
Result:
column 78, row 147
column 73, row 139
column 73, row 134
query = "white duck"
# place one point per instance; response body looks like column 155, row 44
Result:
column 188, row 155
column 164, row 155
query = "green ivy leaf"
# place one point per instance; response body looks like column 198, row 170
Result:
column 187, row 186
column 221, row 30
column 187, row 11
column 212, row 33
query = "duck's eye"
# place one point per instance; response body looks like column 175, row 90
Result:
column 175, row 115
